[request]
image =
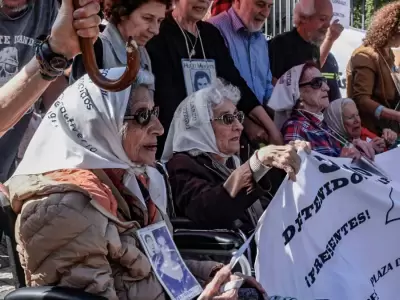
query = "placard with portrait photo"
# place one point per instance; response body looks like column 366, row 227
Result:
column 167, row 263
column 198, row 74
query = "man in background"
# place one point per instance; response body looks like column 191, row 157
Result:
column 311, row 39
column 241, row 27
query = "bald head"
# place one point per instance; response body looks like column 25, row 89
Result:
column 313, row 18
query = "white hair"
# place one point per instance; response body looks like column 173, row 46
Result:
column 218, row 92
column 303, row 9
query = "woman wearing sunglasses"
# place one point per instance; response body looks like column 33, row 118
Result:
column 209, row 184
column 298, row 99
column 86, row 184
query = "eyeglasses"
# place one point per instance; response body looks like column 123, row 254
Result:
column 143, row 116
column 228, row 119
column 315, row 83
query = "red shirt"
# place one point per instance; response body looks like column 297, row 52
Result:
column 365, row 133
column 220, row 6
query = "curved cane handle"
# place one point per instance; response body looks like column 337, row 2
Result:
column 89, row 60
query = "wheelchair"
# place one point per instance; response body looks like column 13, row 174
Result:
column 189, row 239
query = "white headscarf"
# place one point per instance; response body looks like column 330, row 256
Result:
column 285, row 95
column 191, row 129
column 333, row 116
column 82, row 129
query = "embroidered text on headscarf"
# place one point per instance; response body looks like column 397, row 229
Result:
column 191, row 128
column 82, row 130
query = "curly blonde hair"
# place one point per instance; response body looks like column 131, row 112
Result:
column 385, row 24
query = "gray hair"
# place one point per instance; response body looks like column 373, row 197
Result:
column 303, row 9
column 218, row 92
column 144, row 79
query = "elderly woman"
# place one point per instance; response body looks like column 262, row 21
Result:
column 129, row 18
column 187, row 44
column 372, row 79
column 86, row 185
column 342, row 117
column 298, row 100
column 209, row 184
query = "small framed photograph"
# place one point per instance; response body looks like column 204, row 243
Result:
column 167, row 263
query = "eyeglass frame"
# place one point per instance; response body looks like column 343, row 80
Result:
column 236, row 115
column 312, row 82
column 155, row 111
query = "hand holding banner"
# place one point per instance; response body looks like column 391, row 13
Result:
column 332, row 234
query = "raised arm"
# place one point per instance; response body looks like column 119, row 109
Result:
column 22, row 91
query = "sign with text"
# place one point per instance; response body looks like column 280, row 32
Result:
column 332, row 234
column 341, row 12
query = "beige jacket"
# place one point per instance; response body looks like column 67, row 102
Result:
column 65, row 238
column 370, row 84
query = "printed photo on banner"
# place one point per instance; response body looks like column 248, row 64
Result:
column 167, row 263
column 198, row 74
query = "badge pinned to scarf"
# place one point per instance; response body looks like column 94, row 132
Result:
column 168, row 265
column 198, row 74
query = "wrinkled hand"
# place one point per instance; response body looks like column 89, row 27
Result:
column 254, row 132
column 284, row 157
column 389, row 136
column 378, row 144
column 334, row 31
column 211, row 291
column 350, row 152
column 252, row 282
column 366, row 147
column 69, row 24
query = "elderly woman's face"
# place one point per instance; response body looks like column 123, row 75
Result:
column 194, row 9
column 351, row 120
column 314, row 90
column 227, row 135
column 143, row 23
column 140, row 141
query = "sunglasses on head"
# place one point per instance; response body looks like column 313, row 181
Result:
column 315, row 83
column 228, row 119
column 143, row 116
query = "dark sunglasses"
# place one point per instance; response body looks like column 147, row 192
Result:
column 315, row 83
column 143, row 116
column 228, row 119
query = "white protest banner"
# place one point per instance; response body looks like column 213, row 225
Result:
column 332, row 234
column 341, row 12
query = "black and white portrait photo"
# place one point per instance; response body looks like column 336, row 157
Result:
column 168, row 263
column 198, row 74
column 201, row 80
column 154, row 250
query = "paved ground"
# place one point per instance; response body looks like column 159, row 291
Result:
column 6, row 280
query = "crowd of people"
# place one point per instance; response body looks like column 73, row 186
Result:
column 223, row 109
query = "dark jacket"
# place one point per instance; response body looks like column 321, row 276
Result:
column 199, row 194
column 166, row 51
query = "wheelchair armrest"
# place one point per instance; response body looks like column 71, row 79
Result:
column 188, row 235
column 184, row 223
column 210, row 240
column 51, row 293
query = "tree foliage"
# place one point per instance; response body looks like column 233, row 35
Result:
column 370, row 7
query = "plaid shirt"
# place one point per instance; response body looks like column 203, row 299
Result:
column 309, row 129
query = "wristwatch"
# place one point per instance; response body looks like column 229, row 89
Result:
column 52, row 64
